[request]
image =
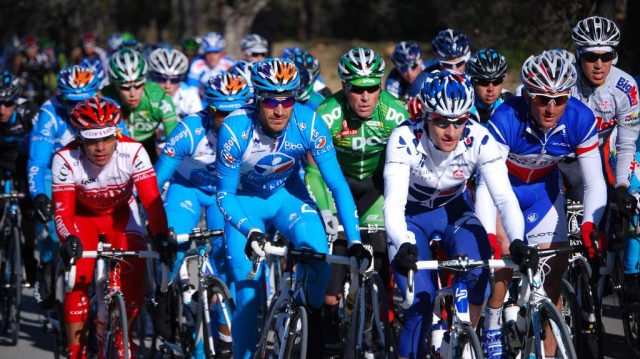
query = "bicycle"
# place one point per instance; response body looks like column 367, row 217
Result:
column 110, row 300
column 285, row 332
column 194, row 327
column 11, row 259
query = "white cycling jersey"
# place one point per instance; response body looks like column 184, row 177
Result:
column 417, row 173
column 187, row 100
column 615, row 105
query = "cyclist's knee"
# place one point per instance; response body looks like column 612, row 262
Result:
column 331, row 300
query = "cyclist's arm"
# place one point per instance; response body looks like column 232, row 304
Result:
column 144, row 178
column 41, row 151
column 64, row 197
column 195, row 72
column 595, row 188
column 628, row 129
column 167, row 113
column 178, row 146
column 316, row 186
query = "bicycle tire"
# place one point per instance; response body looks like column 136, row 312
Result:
column 572, row 316
column 631, row 324
column 296, row 338
column 216, row 289
column 16, row 285
column 384, row 344
column 117, row 323
column 267, row 344
column 549, row 313
column 466, row 335
column 590, row 341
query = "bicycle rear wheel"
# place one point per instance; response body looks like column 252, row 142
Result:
column 572, row 316
column 269, row 343
column 296, row 334
column 220, row 299
column 13, row 294
column 468, row 343
column 548, row 314
column 631, row 324
column 117, row 329
column 377, row 330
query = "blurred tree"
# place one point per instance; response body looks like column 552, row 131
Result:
column 238, row 17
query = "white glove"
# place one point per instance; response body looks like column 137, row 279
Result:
column 331, row 223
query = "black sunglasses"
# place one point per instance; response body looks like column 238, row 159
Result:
column 486, row 82
column 593, row 57
column 7, row 103
column 360, row 90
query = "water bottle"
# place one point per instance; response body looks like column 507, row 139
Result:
column 437, row 333
column 187, row 293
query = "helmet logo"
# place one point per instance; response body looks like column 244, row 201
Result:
column 285, row 72
column 233, row 84
column 82, row 78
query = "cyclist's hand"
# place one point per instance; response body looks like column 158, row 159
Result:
column 331, row 223
column 406, row 258
column 71, row 247
column 415, row 109
column 589, row 232
column 42, row 205
column 524, row 256
column 255, row 237
column 166, row 247
column 361, row 254
column 626, row 203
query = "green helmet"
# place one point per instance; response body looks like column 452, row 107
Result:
column 127, row 65
column 361, row 67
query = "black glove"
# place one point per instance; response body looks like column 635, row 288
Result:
column 406, row 258
column 524, row 256
column 255, row 236
column 166, row 247
column 361, row 254
column 71, row 247
column 42, row 205
column 625, row 202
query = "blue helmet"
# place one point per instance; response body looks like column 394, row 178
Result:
column 447, row 94
column 212, row 42
column 450, row 44
column 289, row 52
column 95, row 64
column 243, row 68
column 406, row 54
column 275, row 76
column 10, row 87
column 227, row 92
column 305, row 61
column 77, row 83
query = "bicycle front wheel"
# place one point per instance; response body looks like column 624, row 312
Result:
column 468, row 343
column 219, row 298
column 117, row 329
column 296, row 332
column 548, row 315
column 572, row 316
column 14, row 289
column 631, row 324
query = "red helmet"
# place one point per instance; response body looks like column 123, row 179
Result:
column 29, row 41
column 96, row 118
column 88, row 39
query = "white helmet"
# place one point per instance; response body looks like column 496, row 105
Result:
column 447, row 94
column 168, row 62
column 548, row 72
column 594, row 32
column 254, row 43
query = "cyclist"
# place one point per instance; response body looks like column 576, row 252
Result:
column 407, row 59
column 306, row 94
column 31, row 66
column 168, row 67
column 360, row 119
column 190, row 47
column 16, row 121
column 93, row 181
column 90, row 49
column 260, row 152
column 535, row 132
column 243, row 68
column 487, row 69
column 212, row 61
column 187, row 161
column 452, row 49
column 254, row 48
column 51, row 131
column 319, row 84
column 426, row 170
column 631, row 279
column 144, row 104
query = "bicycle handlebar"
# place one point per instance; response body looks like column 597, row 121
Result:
column 12, row 195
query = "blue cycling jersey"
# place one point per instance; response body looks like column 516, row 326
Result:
column 190, row 154
column 51, row 131
column 252, row 163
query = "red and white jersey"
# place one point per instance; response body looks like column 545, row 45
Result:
column 77, row 182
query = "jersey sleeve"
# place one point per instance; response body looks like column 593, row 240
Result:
column 595, row 188
column 627, row 110
column 167, row 113
column 64, row 197
column 144, row 178
column 41, row 150
column 316, row 187
column 397, row 172
column 195, row 71
column 179, row 145
column 229, row 157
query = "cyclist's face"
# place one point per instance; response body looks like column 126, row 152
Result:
column 488, row 91
column 362, row 100
column 546, row 115
column 275, row 118
column 212, row 58
column 596, row 72
column 411, row 73
column 100, row 151
column 131, row 93
column 6, row 110
column 454, row 65
column 446, row 139
column 254, row 56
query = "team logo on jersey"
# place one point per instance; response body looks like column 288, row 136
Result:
column 468, row 141
column 244, row 135
column 198, row 131
column 458, row 174
column 418, row 133
column 302, row 125
column 227, row 156
column 274, row 163
column 532, row 217
column 169, row 151
column 631, row 91
column 320, row 142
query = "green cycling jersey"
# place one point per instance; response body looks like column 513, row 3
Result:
column 155, row 107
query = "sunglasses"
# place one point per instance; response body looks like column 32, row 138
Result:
column 271, row 103
column 449, row 65
column 593, row 57
column 545, row 100
column 444, row 122
column 406, row 69
column 136, row 86
column 164, row 79
column 360, row 90
column 486, row 82
column 258, row 54
column 7, row 103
